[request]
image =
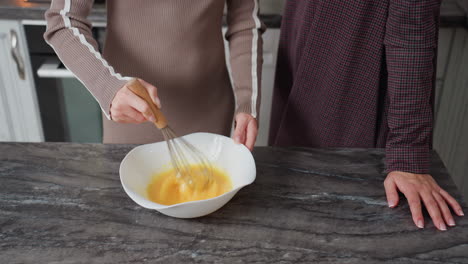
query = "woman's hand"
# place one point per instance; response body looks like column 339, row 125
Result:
column 246, row 129
column 128, row 107
column 422, row 188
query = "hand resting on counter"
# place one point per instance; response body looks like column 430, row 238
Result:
column 422, row 189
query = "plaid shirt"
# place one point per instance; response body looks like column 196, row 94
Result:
column 358, row 73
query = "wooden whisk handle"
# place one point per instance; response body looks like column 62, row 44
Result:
column 137, row 88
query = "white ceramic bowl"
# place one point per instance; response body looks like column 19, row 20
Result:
column 141, row 163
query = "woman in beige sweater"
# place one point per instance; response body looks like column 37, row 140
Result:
column 174, row 45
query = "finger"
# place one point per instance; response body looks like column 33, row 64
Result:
column 141, row 106
column 251, row 134
column 132, row 116
column 116, row 114
column 453, row 203
column 240, row 130
column 392, row 192
column 153, row 92
column 434, row 211
column 125, row 120
column 444, row 208
column 136, row 117
column 415, row 206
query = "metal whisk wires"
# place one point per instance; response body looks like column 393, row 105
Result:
column 183, row 153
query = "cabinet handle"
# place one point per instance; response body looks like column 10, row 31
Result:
column 15, row 53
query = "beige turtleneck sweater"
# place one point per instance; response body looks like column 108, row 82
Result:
column 177, row 45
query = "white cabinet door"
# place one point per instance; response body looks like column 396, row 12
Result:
column 19, row 111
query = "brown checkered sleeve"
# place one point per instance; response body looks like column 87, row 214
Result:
column 410, row 46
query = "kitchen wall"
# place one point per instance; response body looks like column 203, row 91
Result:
column 451, row 104
column 272, row 6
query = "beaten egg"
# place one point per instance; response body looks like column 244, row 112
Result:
column 169, row 188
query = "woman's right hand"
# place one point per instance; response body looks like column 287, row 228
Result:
column 129, row 108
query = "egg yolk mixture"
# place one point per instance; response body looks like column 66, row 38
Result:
column 168, row 188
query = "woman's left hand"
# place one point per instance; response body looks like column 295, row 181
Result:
column 418, row 189
column 246, row 129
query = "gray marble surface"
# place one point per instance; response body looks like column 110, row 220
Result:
column 63, row 203
column 453, row 12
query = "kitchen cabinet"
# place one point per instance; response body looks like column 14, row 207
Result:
column 19, row 111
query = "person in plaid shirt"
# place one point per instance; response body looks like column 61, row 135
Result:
column 361, row 74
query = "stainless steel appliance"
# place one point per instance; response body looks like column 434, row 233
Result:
column 68, row 110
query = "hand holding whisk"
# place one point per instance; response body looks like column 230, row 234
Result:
column 181, row 151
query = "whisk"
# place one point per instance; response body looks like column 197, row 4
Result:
column 181, row 151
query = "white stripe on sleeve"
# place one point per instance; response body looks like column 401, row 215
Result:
column 255, row 59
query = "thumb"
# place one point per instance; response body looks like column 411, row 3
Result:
column 240, row 129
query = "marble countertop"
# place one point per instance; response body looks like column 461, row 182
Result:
column 453, row 12
column 63, row 203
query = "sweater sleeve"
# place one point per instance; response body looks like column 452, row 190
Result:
column 69, row 34
column 246, row 53
column 410, row 46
